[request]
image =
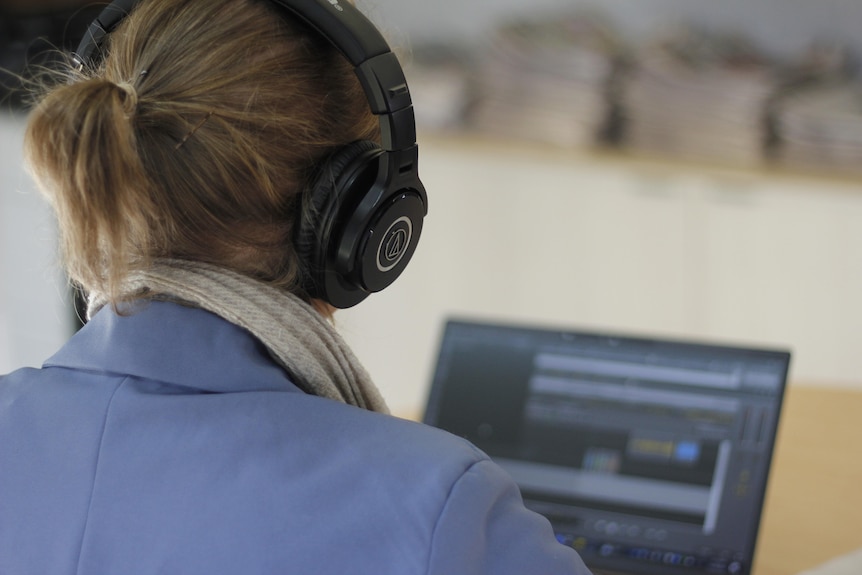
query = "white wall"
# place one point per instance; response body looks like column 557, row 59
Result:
column 35, row 317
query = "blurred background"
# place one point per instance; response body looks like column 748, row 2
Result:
column 666, row 167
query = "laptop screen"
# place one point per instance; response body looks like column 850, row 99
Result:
column 647, row 456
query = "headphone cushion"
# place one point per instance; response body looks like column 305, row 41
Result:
column 321, row 205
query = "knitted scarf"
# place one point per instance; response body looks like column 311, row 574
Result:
column 298, row 337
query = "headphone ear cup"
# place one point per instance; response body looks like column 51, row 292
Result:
column 340, row 181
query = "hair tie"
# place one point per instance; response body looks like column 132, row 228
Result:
column 129, row 97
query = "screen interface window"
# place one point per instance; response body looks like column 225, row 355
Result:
column 643, row 454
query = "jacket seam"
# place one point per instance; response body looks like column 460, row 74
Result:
column 96, row 474
column 443, row 509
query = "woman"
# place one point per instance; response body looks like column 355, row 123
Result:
column 208, row 418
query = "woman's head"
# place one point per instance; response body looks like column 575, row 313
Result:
column 193, row 138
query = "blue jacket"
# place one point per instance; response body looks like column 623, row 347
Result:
column 169, row 442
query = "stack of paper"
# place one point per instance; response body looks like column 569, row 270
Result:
column 822, row 129
column 696, row 96
column 546, row 81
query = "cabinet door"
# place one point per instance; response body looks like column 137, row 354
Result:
column 783, row 265
column 559, row 238
column 640, row 245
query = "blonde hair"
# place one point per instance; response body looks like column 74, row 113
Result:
column 192, row 139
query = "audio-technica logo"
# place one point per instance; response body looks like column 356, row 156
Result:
column 336, row 5
column 395, row 242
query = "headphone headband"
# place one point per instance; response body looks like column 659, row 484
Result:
column 343, row 24
column 346, row 28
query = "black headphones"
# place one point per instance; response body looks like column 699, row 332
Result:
column 363, row 216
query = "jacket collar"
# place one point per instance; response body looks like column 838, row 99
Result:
column 173, row 344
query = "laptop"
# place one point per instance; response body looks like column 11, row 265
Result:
column 648, row 456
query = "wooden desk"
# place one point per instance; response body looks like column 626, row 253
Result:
column 814, row 501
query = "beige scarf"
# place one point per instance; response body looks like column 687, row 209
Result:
column 298, row 337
